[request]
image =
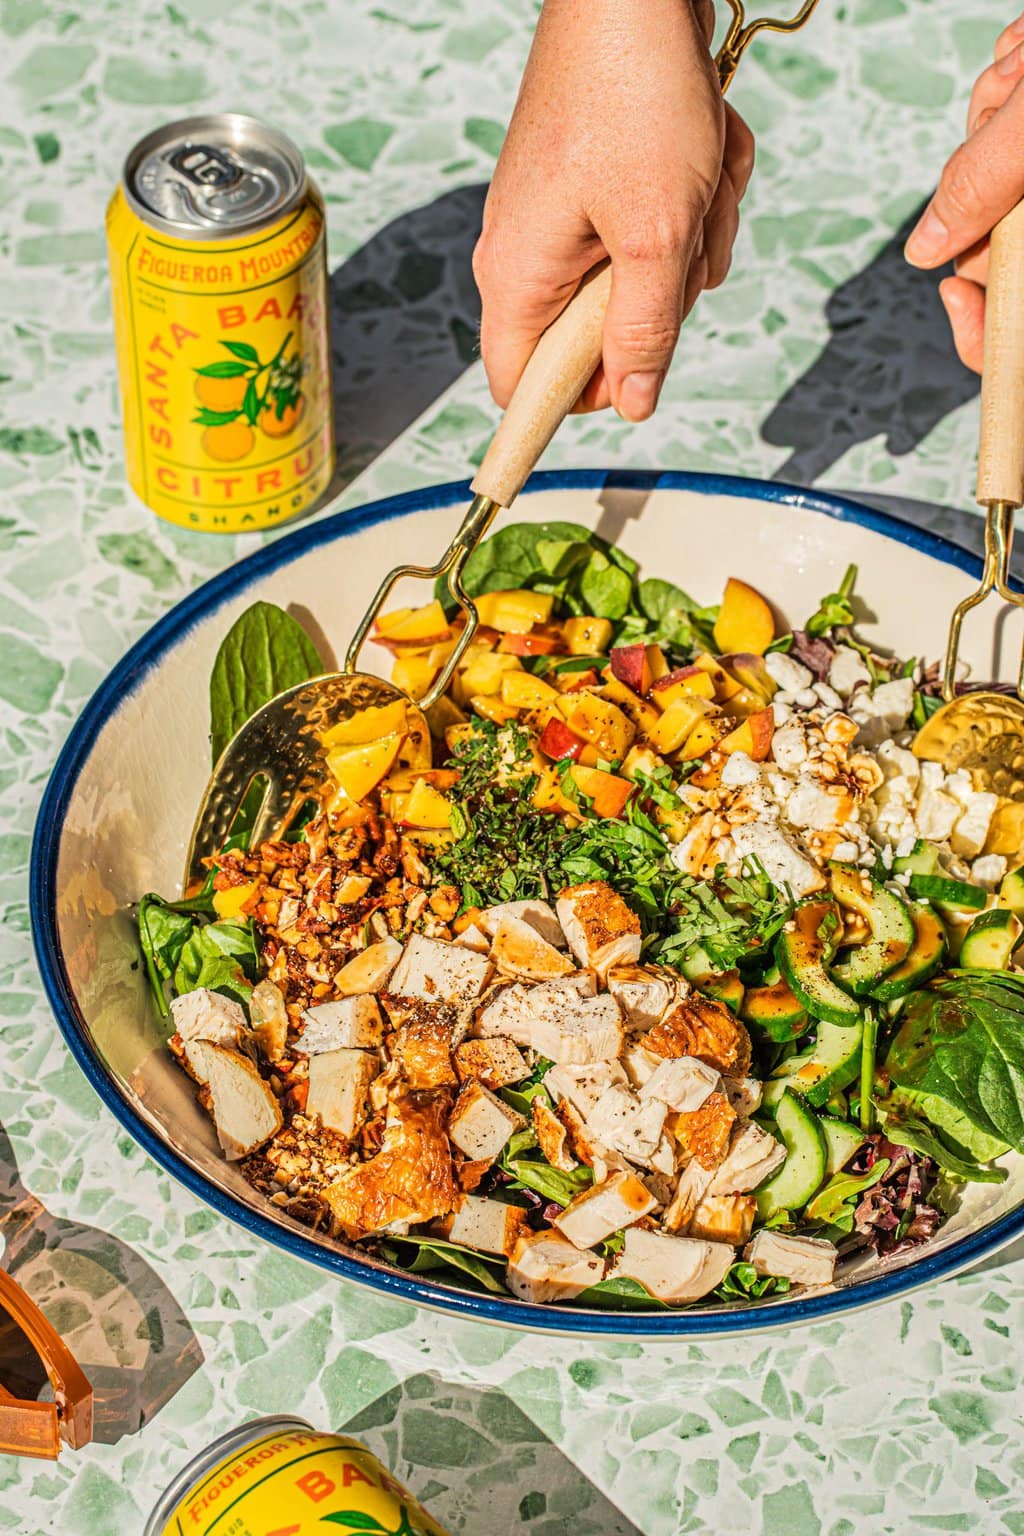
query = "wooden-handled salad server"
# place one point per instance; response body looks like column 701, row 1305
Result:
column 984, row 732
column 283, row 743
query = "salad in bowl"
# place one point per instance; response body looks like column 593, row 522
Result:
column 650, row 968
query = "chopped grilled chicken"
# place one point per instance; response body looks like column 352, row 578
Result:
column 481, row 1124
column 538, row 914
column 675, row 1269
column 369, row 971
column 423, row 1044
column 628, row 1124
column 744, row 1094
column 551, row 1136
column 753, row 1156
column 682, row 1082
column 269, row 1017
column 490, row 1226
column 640, row 1064
column 555, row 1020
column 642, row 993
column 439, row 972
column 245, row 1111
column 605, row 1208
column 694, row 1183
column 601, row 930
column 338, row 1085
column 410, row 1178
column 585, row 1146
column 583, row 1086
column 474, row 938
column 803, row 1260
column 203, row 1017
column 704, row 1133
column 545, row 1266
column 697, row 1026
column 724, row 1218
column 511, row 1011
column 519, row 950
column 350, row 1023
column 495, row 1062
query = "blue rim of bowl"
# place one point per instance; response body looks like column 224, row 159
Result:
column 200, row 604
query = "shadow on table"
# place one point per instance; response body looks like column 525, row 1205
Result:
column 404, row 322
column 480, row 1465
column 117, row 1316
column 888, row 369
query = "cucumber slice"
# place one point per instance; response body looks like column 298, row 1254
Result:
column 892, row 927
column 923, row 859
column 803, row 950
column 991, row 940
column 926, row 956
column 947, row 892
column 1011, row 892
column 804, row 1169
column 775, row 1010
column 842, row 1140
column 830, row 1064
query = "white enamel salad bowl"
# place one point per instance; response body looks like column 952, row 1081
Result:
column 119, row 807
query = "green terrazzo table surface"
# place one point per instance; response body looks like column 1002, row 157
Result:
column 823, row 360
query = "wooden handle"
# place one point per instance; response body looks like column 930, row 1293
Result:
column 34, row 1428
column 1001, row 448
column 553, row 380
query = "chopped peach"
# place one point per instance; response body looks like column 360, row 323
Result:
column 539, row 642
column 368, row 725
column 703, row 738
column 557, row 741
column 640, row 760
column 630, row 665
column 426, row 808
column 413, row 674
column 359, row 769
column 587, row 636
column 725, row 686
column 443, row 714
column 745, row 622
column 522, row 690
column 404, row 779
column 753, row 736
column 516, row 612
column 600, row 722
column 642, row 714
column 490, row 707
column 231, row 902
column 750, row 673
column 683, row 682
column 549, row 796
column 657, row 661
column 573, row 682
column 607, row 791
column 677, row 723
column 413, row 628
column 483, row 674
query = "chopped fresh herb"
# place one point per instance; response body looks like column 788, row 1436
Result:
column 835, row 610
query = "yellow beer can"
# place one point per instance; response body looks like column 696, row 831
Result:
column 218, row 269
column 280, row 1477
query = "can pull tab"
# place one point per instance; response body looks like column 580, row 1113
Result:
column 205, row 167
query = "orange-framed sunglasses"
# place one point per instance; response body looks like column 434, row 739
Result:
column 30, row 1428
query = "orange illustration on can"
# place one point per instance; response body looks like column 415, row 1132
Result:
column 280, row 1477
column 219, row 277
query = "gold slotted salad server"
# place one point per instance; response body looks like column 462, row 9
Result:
column 984, row 731
column 283, row 745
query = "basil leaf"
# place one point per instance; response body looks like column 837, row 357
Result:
column 263, row 652
column 958, row 1059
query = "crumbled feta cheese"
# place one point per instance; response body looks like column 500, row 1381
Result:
column 937, row 815
column 789, row 747
column 971, row 830
column 782, row 712
column 988, row 870
column 739, row 769
column 783, row 862
column 894, row 702
column 898, row 763
column 828, row 696
column 789, row 674
column 848, row 671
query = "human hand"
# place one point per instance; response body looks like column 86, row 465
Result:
column 619, row 146
column 980, row 184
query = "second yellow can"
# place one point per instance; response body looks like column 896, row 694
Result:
column 219, row 279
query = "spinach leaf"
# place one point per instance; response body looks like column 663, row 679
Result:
column 263, row 652
column 221, row 956
column 620, row 1294
column 163, row 933
column 431, row 1254
column 511, row 557
column 678, row 621
column 605, row 588
column 905, row 1129
column 957, row 1059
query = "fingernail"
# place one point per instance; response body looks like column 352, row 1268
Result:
column 639, row 395
column 1010, row 63
column 929, row 240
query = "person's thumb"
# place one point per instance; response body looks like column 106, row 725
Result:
column 642, row 325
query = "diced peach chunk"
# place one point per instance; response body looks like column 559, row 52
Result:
column 368, row 725
column 413, row 674
column 753, row 736
column 586, row 636
column 359, row 769
column 607, row 791
column 745, row 621
column 630, row 665
column 514, row 611
column 678, row 721
column 600, row 722
column 522, row 690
